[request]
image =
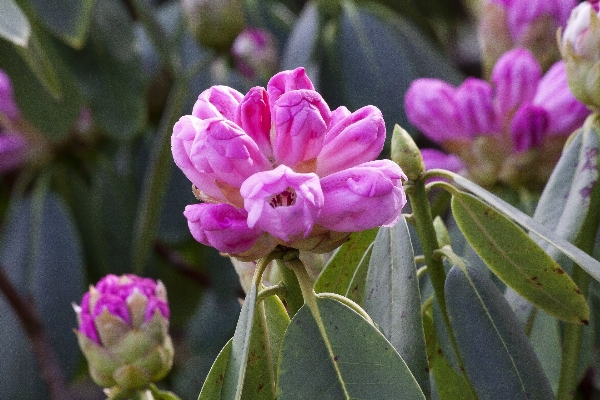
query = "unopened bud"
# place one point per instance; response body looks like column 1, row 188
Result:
column 406, row 154
column 580, row 48
column 255, row 54
column 214, row 23
column 123, row 332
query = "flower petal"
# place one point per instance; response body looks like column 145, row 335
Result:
column 217, row 101
column 254, row 117
column 363, row 197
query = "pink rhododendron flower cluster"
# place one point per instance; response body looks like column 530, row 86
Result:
column 278, row 167
column 508, row 131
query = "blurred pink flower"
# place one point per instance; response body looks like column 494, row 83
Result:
column 510, row 130
column 12, row 144
column 255, row 53
column 277, row 166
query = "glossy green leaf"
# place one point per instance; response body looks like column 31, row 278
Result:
column 337, row 274
column 393, row 300
column 299, row 48
column 585, row 261
column 14, row 25
column 367, row 37
column 357, row 288
column 448, row 383
column 41, row 254
column 340, row 356
column 248, row 369
column 546, row 341
column 517, row 260
column 67, row 19
column 495, row 351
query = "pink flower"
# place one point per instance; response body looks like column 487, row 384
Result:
column 8, row 106
column 276, row 166
column 487, row 125
column 255, row 53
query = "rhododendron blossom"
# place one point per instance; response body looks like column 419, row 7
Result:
column 278, row 167
column 510, row 130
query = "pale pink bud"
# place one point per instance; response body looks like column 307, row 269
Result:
column 515, row 76
column 8, row 106
column 356, row 139
column 430, row 106
column 301, row 118
column 577, row 30
column 255, row 53
column 217, row 101
column 286, row 81
column 254, row 117
column 529, row 126
column 282, row 202
column 521, row 14
column 363, row 197
column 221, row 226
column 566, row 113
column 475, row 108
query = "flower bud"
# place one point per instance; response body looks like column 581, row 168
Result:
column 255, row 53
column 123, row 332
column 12, row 151
column 406, row 154
column 580, row 48
column 214, row 23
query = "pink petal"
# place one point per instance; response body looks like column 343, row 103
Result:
column 515, row 76
column 475, row 108
column 286, row 81
column 217, row 101
column 363, row 197
column 282, row 202
column 529, row 127
column 435, row 159
column 565, row 111
column 357, row 138
column 301, row 118
column 254, row 117
column 430, row 106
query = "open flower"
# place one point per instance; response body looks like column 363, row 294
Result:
column 509, row 131
column 123, row 332
column 278, row 167
column 531, row 24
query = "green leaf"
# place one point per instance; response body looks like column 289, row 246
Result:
column 585, row 261
column 250, row 372
column 357, row 288
column 546, row 341
column 14, row 25
column 447, row 381
column 393, row 299
column 299, row 48
column 108, row 71
column 67, row 19
column 495, row 351
column 213, row 385
column 340, row 356
column 517, row 260
column 41, row 254
column 392, row 50
column 339, row 271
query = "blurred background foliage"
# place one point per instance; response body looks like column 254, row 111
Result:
column 100, row 83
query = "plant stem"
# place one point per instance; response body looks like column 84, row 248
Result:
column 567, row 385
column 156, row 178
column 429, row 243
column 40, row 343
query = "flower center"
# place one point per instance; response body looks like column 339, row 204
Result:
column 284, row 199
